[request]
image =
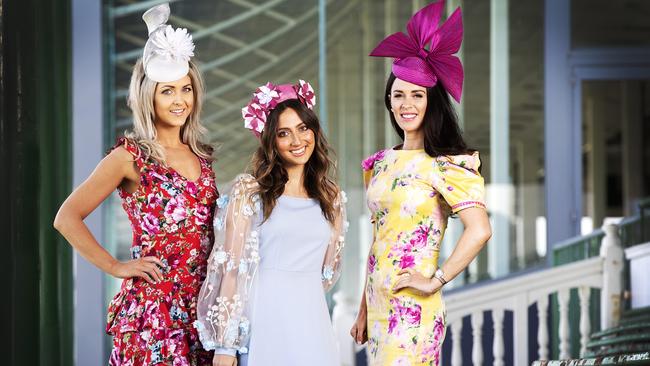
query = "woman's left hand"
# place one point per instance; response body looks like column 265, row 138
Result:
column 410, row 278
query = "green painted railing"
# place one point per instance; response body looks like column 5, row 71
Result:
column 632, row 230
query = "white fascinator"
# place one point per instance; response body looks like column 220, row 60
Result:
column 168, row 51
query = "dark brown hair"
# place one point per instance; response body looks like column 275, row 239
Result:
column 442, row 134
column 268, row 167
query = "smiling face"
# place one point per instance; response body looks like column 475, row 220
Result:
column 408, row 104
column 173, row 102
column 294, row 141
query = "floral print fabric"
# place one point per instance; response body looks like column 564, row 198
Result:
column 171, row 218
column 410, row 196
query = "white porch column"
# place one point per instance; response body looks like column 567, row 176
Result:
column 632, row 144
column 594, row 136
column 460, row 107
column 368, row 90
column 390, row 13
column 87, row 150
column 561, row 166
column 500, row 188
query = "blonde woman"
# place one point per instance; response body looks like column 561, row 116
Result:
column 163, row 175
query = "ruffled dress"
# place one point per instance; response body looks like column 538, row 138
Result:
column 171, row 218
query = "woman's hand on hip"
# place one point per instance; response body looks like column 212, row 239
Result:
column 410, row 278
column 147, row 268
column 224, row 360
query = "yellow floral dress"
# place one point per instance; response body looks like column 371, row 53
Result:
column 410, row 196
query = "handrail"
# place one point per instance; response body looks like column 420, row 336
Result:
column 632, row 231
column 532, row 286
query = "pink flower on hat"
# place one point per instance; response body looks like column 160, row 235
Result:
column 268, row 96
column 254, row 117
column 306, row 94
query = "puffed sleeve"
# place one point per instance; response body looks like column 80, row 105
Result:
column 222, row 318
column 457, row 179
column 368, row 166
column 332, row 260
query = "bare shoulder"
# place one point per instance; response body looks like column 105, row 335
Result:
column 120, row 161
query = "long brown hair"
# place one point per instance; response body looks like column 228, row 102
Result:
column 268, row 167
column 442, row 134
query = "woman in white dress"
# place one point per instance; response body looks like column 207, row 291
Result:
column 279, row 236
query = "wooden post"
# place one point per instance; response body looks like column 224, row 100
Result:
column 585, row 324
column 610, row 296
column 456, row 352
column 477, row 335
column 563, row 303
column 498, row 348
column 542, row 331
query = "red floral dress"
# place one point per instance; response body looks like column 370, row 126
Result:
column 171, row 218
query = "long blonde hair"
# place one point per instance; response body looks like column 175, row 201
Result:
column 141, row 102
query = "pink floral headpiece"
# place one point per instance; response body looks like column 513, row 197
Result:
column 268, row 96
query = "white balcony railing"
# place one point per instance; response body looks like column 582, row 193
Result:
column 516, row 295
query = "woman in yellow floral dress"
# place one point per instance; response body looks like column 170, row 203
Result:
column 412, row 189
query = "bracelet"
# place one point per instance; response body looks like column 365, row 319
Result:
column 440, row 276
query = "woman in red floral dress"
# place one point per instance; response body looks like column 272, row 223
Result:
column 163, row 175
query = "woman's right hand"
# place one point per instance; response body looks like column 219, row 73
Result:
column 359, row 331
column 224, row 360
column 147, row 268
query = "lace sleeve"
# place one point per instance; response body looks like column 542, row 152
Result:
column 222, row 319
column 332, row 260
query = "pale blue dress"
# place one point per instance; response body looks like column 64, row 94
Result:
column 264, row 295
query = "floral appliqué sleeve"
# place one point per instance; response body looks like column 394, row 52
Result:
column 332, row 261
column 222, row 319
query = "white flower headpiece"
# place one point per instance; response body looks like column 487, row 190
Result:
column 168, row 51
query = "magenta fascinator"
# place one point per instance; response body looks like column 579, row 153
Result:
column 423, row 66
column 268, row 96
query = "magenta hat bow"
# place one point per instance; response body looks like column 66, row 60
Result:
column 417, row 65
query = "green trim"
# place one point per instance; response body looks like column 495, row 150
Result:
column 630, row 359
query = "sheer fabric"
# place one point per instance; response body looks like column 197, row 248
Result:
column 224, row 309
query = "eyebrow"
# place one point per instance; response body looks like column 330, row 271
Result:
column 412, row 91
column 289, row 128
column 173, row 87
